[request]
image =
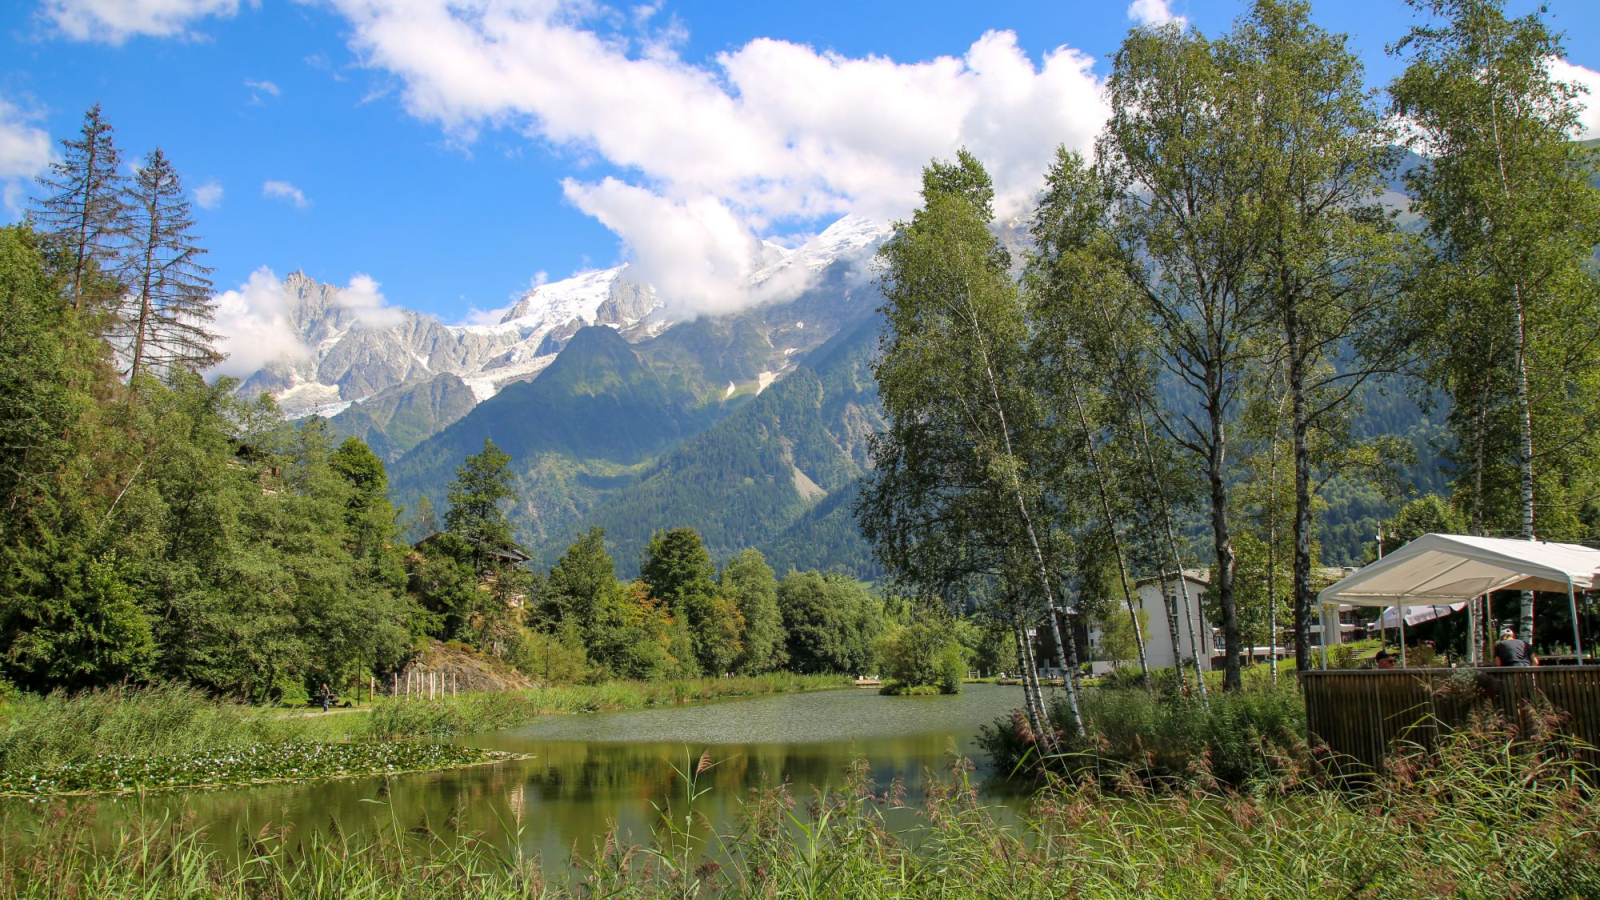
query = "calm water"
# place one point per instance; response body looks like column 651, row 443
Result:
column 591, row 772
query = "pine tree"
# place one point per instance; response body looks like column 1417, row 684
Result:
column 84, row 211
column 169, row 288
column 477, row 514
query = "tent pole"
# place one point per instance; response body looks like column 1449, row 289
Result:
column 1572, row 601
column 1400, row 612
column 1322, row 613
column 1472, row 632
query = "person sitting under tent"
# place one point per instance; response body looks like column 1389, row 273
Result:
column 1513, row 652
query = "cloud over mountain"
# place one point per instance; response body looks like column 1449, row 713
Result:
column 710, row 158
column 253, row 327
column 24, row 153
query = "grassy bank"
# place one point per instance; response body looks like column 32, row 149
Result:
column 477, row 713
column 1478, row 820
column 40, row 734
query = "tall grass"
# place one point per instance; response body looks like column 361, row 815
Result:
column 164, row 720
column 1484, row 817
column 1234, row 740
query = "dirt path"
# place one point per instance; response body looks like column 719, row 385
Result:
column 317, row 712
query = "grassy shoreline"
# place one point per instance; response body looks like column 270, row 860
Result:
column 40, row 735
column 1478, row 819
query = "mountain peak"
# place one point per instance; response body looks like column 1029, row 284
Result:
column 846, row 239
column 561, row 301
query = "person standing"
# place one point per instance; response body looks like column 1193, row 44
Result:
column 325, row 698
column 1513, row 652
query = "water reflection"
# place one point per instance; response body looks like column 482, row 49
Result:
column 591, row 773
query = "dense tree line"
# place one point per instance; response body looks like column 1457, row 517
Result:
column 1206, row 305
column 685, row 617
column 169, row 529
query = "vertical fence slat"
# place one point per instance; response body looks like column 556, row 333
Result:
column 1359, row 715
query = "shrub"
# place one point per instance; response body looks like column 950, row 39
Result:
column 922, row 655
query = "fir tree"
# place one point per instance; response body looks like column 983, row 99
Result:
column 169, row 287
column 84, row 211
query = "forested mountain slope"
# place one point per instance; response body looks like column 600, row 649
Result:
column 760, row 472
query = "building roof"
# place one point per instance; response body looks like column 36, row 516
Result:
column 1201, row 577
column 512, row 554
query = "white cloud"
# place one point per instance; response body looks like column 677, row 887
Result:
column 114, row 21
column 709, row 158
column 283, row 190
column 208, row 195
column 364, row 298
column 258, row 88
column 1586, row 78
column 252, row 325
column 1153, row 12
column 24, row 153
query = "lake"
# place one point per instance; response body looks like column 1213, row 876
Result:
column 588, row 773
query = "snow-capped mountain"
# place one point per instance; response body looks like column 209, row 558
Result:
column 851, row 238
column 351, row 359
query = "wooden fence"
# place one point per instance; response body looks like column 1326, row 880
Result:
column 1360, row 714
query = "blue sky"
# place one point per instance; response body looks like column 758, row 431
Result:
column 455, row 160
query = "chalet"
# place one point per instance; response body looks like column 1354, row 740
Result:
column 495, row 558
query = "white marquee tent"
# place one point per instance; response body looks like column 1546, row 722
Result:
column 1445, row 569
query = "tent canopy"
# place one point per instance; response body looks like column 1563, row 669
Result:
column 1449, row 568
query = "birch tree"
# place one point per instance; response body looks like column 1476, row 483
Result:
column 1329, row 256
column 1090, row 322
column 1510, row 297
column 1180, row 154
column 953, row 497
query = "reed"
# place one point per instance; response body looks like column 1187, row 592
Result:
column 1235, row 739
column 166, row 722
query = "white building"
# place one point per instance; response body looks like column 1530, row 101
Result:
column 1152, row 598
column 1158, row 635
